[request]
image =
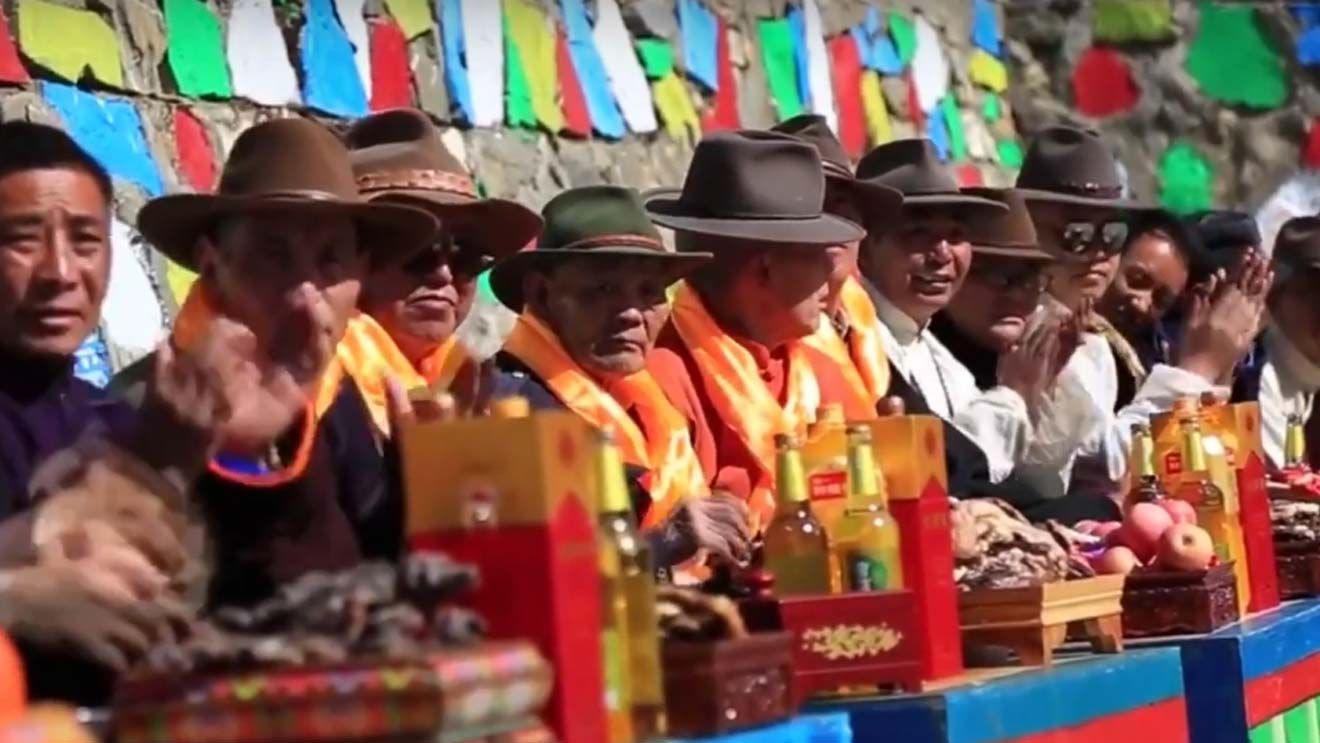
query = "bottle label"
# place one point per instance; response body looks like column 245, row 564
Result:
column 866, row 573
column 830, row 485
column 616, row 669
column 1173, row 463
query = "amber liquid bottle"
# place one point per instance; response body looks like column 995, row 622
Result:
column 1197, row 489
column 866, row 540
column 796, row 550
column 1294, row 444
column 1146, row 487
column 632, row 645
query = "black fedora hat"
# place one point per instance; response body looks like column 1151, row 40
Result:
column 815, row 130
column 597, row 221
column 1296, row 247
column 1067, row 165
column 1008, row 233
column 913, row 168
column 753, row 185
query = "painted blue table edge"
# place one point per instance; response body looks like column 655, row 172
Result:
column 1071, row 693
column 830, row 727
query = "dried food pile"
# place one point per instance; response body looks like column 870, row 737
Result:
column 994, row 546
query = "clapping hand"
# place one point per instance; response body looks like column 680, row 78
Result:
column 1224, row 317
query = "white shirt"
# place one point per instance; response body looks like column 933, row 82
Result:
column 996, row 419
column 1288, row 383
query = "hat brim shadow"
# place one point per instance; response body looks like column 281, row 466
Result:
column 1033, row 195
column 1022, row 252
column 666, row 209
column 506, row 278
column 387, row 232
column 965, row 201
column 498, row 227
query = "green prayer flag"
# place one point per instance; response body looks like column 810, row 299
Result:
column 1132, row 20
column 990, row 108
column 483, row 286
column 953, row 123
column 1233, row 61
column 657, row 57
column 904, row 35
column 1010, row 153
column 1185, row 180
column 518, row 109
column 196, row 52
column 780, row 65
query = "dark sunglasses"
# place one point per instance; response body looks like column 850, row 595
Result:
column 1079, row 238
column 465, row 261
column 1005, row 278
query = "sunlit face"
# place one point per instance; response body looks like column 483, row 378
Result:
column 921, row 264
column 54, row 260
column 1294, row 309
column 996, row 300
column 1089, row 270
column 1150, row 280
column 606, row 311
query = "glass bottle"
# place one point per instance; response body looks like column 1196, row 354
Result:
column 796, row 550
column 1294, row 444
column 1198, row 489
column 1146, row 487
column 866, row 541
column 632, row 646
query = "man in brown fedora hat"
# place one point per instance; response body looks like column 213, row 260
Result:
column 755, row 201
column 281, row 249
column 852, row 334
column 412, row 309
column 591, row 302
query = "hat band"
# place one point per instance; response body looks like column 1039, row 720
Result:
column 703, row 212
column 1094, row 190
column 426, row 180
column 619, row 240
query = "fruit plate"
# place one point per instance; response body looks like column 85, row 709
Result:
column 715, row 687
column 1299, row 568
column 1035, row 620
column 1159, row 603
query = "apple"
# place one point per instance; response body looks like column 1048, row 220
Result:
column 1142, row 528
column 1117, row 560
column 1186, row 547
column 1181, row 511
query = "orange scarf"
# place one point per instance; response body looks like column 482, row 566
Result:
column 370, row 356
column 826, row 340
column 867, row 350
column 190, row 327
column 662, row 445
column 730, row 376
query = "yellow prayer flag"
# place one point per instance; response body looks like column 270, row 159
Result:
column 530, row 32
column 676, row 110
column 68, row 40
column 987, row 71
column 413, row 16
column 873, row 108
column 179, row 280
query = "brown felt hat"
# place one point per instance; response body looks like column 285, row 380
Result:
column 1009, row 233
column 753, row 185
column 912, row 167
column 594, row 221
column 285, row 166
column 398, row 156
column 1296, row 247
column 815, row 130
column 1067, row 165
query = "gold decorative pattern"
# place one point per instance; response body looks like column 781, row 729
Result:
column 851, row 641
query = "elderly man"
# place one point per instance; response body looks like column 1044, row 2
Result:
column 591, row 299
column 851, row 336
column 281, row 250
column 412, row 309
column 754, row 200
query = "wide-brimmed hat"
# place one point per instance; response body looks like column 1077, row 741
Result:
column 285, row 166
column 753, row 185
column 597, row 221
column 1008, row 233
column 815, row 130
column 398, row 155
column 1296, row 247
column 912, row 167
column 1066, row 165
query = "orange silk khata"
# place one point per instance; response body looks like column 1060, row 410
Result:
column 662, row 444
column 864, row 345
column 731, row 380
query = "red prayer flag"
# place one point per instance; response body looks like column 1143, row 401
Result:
column 391, row 77
column 1103, row 84
column 1311, row 153
column 969, row 175
column 11, row 68
column 723, row 113
column 846, row 69
column 576, row 118
column 914, row 103
column 196, row 159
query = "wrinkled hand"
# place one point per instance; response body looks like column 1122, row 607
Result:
column 1224, row 317
column 186, row 406
column 422, row 404
column 1071, row 331
column 264, row 398
column 1029, row 367
column 719, row 526
column 84, row 608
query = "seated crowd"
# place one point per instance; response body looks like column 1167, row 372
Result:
column 1038, row 323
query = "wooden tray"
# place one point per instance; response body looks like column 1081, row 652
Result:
column 1299, row 568
column 714, row 687
column 1033, row 621
column 1173, row 603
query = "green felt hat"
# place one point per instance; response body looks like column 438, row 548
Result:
column 593, row 221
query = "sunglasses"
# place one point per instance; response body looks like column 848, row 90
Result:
column 1005, row 278
column 1079, row 238
column 465, row 261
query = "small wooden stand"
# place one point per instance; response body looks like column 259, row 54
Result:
column 1299, row 569
column 1172, row 603
column 715, row 687
column 1034, row 621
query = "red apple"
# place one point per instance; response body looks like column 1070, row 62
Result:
column 1181, row 511
column 1186, row 547
column 1142, row 527
column 1117, row 560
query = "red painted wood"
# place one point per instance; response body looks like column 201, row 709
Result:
column 1267, row 696
column 1165, row 722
